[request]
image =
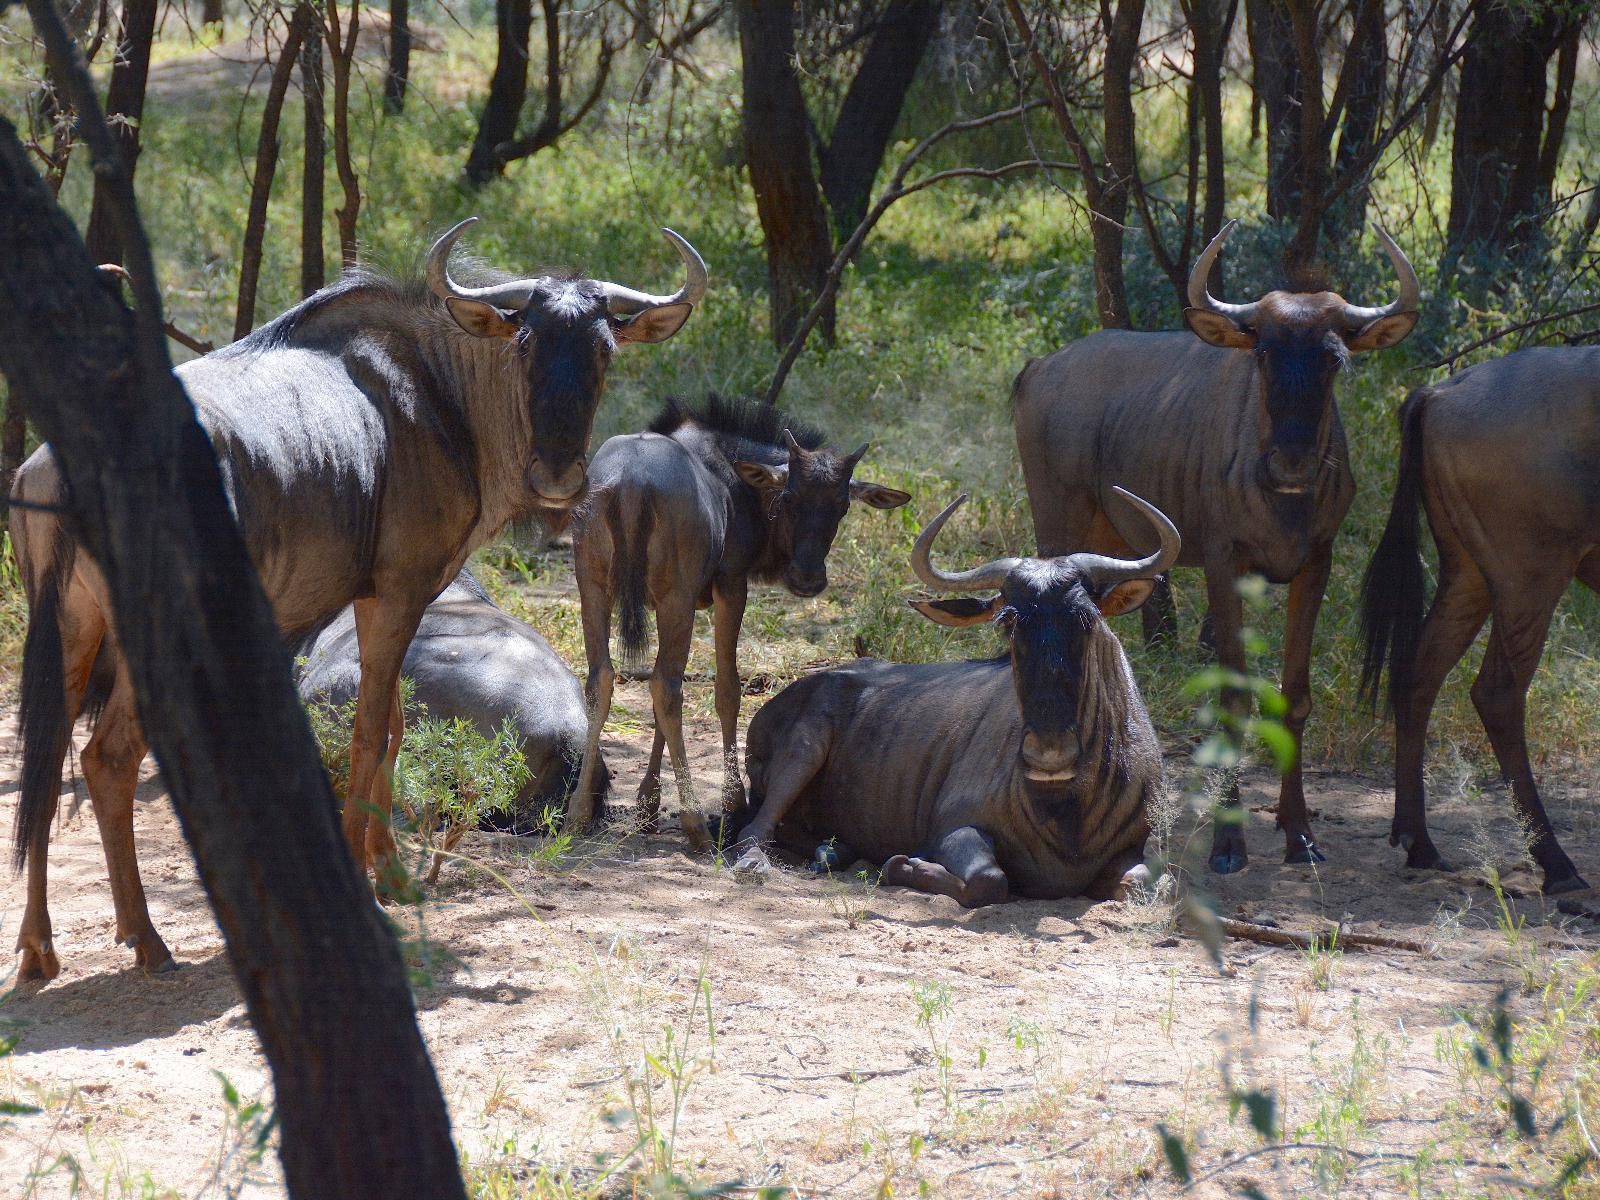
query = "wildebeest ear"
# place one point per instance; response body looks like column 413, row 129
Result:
column 959, row 612
column 653, row 324
column 480, row 319
column 877, row 495
column 1382, row 333
column 762, row 475
column 1126, row 597
column 1218, row 330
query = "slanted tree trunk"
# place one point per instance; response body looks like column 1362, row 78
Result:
column 777, row 146
column 313, row 265
column 1278, row 88
column 255, row 225
column 125, row 108
column 360, row 1109
column 394, row 84
column 871, row 109
column 342, row 36
column 508, row 88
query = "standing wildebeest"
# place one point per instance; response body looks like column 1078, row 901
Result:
column 684, row 517
column 1028, row 773
column 369, row 439
column 1236, row 437
column 473, row 661
column 1505, row 459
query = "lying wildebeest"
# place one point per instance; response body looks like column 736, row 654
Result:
column 1030, row 773
column 1505, row 459
column 684, row 517
column 369, row 439
column 473, row 661
column 1235, row 435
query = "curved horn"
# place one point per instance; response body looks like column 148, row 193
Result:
column 1199, row 297
column 625, row 302
column 991, row 574
column 795, row 447
column 1355, row 316
column 512, row 295
column 1108, row 572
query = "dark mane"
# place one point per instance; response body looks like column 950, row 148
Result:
column 740, row 417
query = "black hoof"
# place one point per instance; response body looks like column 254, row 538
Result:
column 1230, row 862
column 1426, row 858
column 1566, row 883
column 1305, row 852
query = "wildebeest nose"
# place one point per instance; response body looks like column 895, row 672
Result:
column 803, row 584
column 557, row 484
column 1050, row 754
column 1292, row 468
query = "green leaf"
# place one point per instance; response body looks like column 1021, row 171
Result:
column 9, row 1108
column 1278, row 741
column 1522, row 1114
column 1177, row 1156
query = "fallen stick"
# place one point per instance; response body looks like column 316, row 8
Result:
column 1267, row 935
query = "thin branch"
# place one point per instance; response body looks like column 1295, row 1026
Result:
column 1058, row 106
column 1450, row 360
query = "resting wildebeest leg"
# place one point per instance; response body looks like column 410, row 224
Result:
column 961, row 865
column 1522, row 613
column 674, row 634
column 1460, row 607
column 596, row 608
column 1300, row 623
column 1228, row 850
column 774, row 788
column 111, row 772
column 1120, row 880
column 728, row 601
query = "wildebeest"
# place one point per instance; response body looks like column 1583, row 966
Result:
column 369, row 439
column 1505, row 459
column 1030, row 773
column 1235, row 435
column 685, row 516
column 473, row 661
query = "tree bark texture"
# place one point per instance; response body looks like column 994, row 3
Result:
column 255, row 225
column 508, row 88
column 1502, row 167
column 360, row 1109
column 871, row 109
column 777, row 144
column 1277, row 86
column 342, row 45
column 394, row 84
column 125, row 108
column 1111, row 213
column 313, row 264
column 1210, row 24
column 1363, row 90
column 211, row 13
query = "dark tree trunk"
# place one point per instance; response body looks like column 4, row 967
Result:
column 13, row 438
column 1210, row 24
column 313, row 264
column 554, row 123
column 255, row 225
column 777, row 145
column 871, row 109
column 508, row 88
column 342, row 45
column 1310, row 111
column 211, row 13
column 1500, row 177
column 1111, row 211
column 394, row 84
column 125, row 108
column 1277, row 86
column 1363, row 91
column 360, row 1109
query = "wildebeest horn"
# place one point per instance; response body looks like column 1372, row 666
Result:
column 513, row 295
column 1108, row 572
column 788, row 440
column 624, row 302
column 1410, row 299
column 1199, row 297
column 991, row 574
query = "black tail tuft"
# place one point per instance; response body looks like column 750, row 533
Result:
column 630, row 558
column 1392, row 591
column 43, row 720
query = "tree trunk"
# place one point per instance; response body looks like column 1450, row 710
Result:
column 1210, row 24
column 777, row 146
column 1312, row 187
column 871, row 109
column 1111, row 212
column 342, row 45
column 508, row 88
column 394, row 84
column 255, row 225
column 125, row 108
column 211, row 14
column 13, row 438
column 360, row 1108
column 1498, row 179
column 1277, row 86
column 1364, row 82
column 313, row 264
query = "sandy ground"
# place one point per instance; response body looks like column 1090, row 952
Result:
column 1071, row 1030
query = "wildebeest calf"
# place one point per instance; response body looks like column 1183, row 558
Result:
column 1028, row 774
column 1505, row 459
column 684, row 517
column 471, row 660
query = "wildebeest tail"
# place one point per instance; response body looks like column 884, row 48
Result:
column 630, row 559
column 1392, row 591
column 44, row 723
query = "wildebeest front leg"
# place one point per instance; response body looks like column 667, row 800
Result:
column 674, row 634
column 728, row 601
column 1228, row 850
column 111, row 771
column 384, row 628
column 961, row 865
column 596, row 607
column 1300, row 623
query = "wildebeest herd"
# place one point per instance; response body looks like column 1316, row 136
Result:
column 374, row 435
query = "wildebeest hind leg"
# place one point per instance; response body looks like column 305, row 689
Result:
column 961, row 865
column 596, row 608
column 674, row 633
column 648, row 800
column 1305, row 600
column 1228, row 850
column 385, row 625
column 111, row 771
column 728, row 602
